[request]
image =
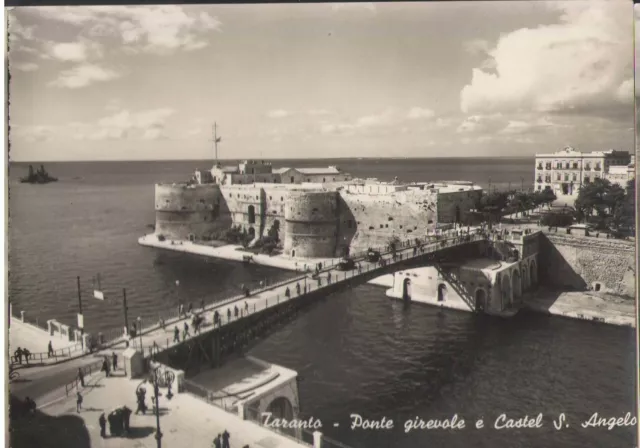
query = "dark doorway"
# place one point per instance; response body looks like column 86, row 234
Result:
column 192, row 237
column 293, row 253
column 252, row 232
column 406, row 290
column 252, row 214
column 481, row 299
column 597, row 287
column 442, row 292
column 565, row 188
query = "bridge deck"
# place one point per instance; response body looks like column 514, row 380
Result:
column 274, row 296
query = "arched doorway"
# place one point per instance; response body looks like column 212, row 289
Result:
column 252, row 214
column 481, row 299
column 505, row 289
column 281, row 408
column 533, row 274
column 526, row 283
column 406, row 290
column 516, row 285
column 442, row 292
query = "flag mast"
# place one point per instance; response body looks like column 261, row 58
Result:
column 216, row 140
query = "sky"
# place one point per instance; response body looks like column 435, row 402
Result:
column 451, row 79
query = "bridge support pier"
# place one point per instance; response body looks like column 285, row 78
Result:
column 215, row 349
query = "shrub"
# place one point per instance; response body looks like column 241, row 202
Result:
column 557, row 220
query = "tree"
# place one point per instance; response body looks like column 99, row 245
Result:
column 274, row 231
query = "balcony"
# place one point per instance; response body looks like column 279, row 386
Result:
column 548, row 167
column 539, row 167
column 539, row 180
column 597, row 168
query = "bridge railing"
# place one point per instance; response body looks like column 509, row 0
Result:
column 86, row 371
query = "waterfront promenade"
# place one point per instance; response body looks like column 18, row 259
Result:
column 36, row 340
column 185, row 421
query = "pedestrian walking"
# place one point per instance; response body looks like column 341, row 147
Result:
column 202, row 304
column 105, row 367
column 78, row 402
column 102, row 421
column 126, row 415
column 228, row 314
column 246, row 307
column 216, row 442
column 176, row 334
column 114, row 359
column 81, row 376
column 50, row 350
column 298, row 288
column 180, row 310
column 186, row 330
column 216, row 318
column 235, row 311
column 190, row 308
column 225, row 439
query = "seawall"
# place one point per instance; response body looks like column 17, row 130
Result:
column 579, row 263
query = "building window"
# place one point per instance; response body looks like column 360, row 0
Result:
column 539, row 187
column 575, row 178
column 587, row 166
column 575, row 166
column 323, row 180
column 587, row 179
column 292, row 179
column 566, row 177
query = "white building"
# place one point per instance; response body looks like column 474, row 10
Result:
column 567, row 170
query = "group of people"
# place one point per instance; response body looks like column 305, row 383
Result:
column 22, row 353
column 221, row 440
column 118, row 422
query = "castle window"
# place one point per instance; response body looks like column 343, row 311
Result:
column 387, row 226
column 269, row 197
column 381, row 226
column 390, row 218
column 349, row 224
column 371, row 227
column 430, row 221
column 323, row 180
column 292, row 179
column 401, row 226
column 281, row 198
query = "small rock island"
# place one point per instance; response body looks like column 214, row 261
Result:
column 38, row 177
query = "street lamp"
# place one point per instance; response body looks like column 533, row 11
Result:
column 139, row 320
column 156, row 378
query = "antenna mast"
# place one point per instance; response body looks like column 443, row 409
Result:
column 216, row 140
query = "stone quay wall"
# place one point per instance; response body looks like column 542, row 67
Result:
column 587, row 263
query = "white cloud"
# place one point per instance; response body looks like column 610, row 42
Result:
column 153, row 29
column 444, row 122
column 418, row 112
column 74, row 51
column 144, row 125
column 18, row 32
column 32, row 134
column 477, row 46
column 625, row 91
column 25, row 67
column 478, row 123
column 319, row 112
column 575, row 65
column 525, row 127
column 278, row 113
column 369, row 7
column 83, row 76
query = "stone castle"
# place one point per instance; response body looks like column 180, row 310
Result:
column 321, row 212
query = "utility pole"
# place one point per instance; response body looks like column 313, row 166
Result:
column 80, row 315
column 522, row 184
column 124, row 303
column 79, row 297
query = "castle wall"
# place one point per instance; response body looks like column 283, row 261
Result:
column 578, row 263
column 245, row 206
column 311, row 223
column 449, row 200
column 372, row 220
column 183, row 210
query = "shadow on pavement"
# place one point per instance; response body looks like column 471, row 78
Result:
column 44, row 431
column 140, row 432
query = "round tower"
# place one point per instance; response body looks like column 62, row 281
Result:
column 186, row 211
column 311, row 224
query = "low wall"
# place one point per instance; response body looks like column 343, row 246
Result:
column 581, row 263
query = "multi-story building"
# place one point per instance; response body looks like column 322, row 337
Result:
column 567, row 170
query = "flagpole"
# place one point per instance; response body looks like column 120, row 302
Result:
column 215, row 140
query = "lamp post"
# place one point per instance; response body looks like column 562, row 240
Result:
column 139, row 320
column 155, row 379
